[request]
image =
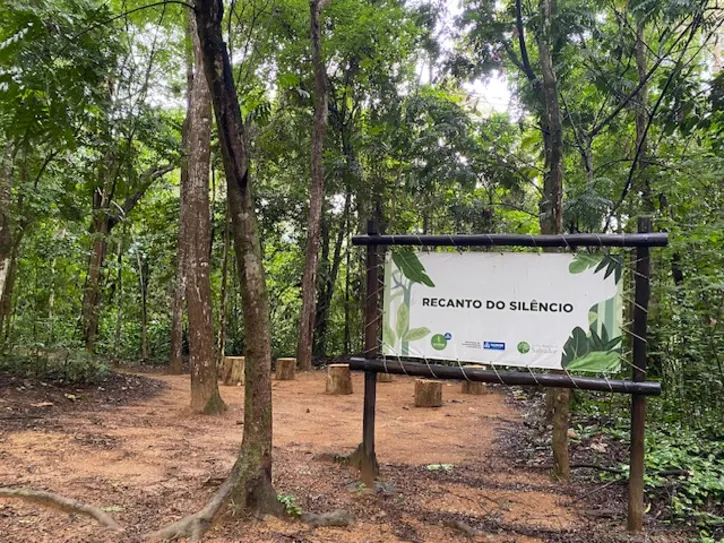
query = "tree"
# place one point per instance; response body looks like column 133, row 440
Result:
column 196, row 230
column 316, row 197
column 551, row 215
column 249, row 484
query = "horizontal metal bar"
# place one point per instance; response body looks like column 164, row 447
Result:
column 658, row 239
column 438, row 371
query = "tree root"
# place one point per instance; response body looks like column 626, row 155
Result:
column 464, row 528
column 61, row 503
column 245, row 483
column 193, row 527
column 338, row 517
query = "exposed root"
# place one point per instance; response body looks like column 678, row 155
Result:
column 193, row 527
column 246, row 483
column 464, row 528
column 338, row 517
column 67, row 505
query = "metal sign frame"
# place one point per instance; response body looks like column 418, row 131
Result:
column 638, row 387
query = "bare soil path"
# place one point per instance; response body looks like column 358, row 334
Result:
column 151, row 462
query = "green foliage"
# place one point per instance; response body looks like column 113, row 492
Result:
column 62, row 364
column 289, row 502
column 87, row 109
column 695, row 493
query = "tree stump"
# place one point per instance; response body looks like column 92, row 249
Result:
column 285, row 369
column 428, row 393
column 232, row 370
column 384, row 377
column 339, row 379
column 474, row 387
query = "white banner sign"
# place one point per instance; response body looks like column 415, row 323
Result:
column 549, row 310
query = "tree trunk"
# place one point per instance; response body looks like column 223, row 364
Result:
column 119, row 301
column 6, row 300
column 316, row 199
column 92, row 290
column 249, row 483
column 221, row 342
column 175, row 362
column 143, row 284
column 330, row 280
column 642, row 116
column 196, row 218
column 6, row 240
column 551, row 211
column 175, row 365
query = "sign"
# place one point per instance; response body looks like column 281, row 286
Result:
column 536, row 310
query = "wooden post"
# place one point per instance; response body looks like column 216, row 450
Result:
column 285, row 369
column 368, row 461
column 638, row 401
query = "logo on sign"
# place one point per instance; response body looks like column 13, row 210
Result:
column 438, row 342
column 494, row 345
column 448, row 336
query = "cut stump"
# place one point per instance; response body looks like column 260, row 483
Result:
column 384, row 377
column 285, row 369
column 474, row 387
column 428, row 393
column 232, row 370
column 339, row 379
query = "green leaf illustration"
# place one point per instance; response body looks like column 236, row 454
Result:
column 596, row 361
column 411, row 267
column 388, row 335
column 582, row 261
column 403, row 320
column 416, row 333
column 612, row 264
column 577, row 346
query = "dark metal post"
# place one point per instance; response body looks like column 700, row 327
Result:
column 638, row 402
column 368, row 460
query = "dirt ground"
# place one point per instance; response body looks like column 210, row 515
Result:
column 151, row 462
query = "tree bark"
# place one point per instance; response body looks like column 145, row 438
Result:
column 143, row 284
column 6, row 240
column 316, row 199
column 221, row 342
column 642, row 115
column 119, row 301
column 330, row 280
column 551, row 210
column 175, row 365
column 6, row 300
column 196, row 218
column 249, row 483
column 91, row 292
